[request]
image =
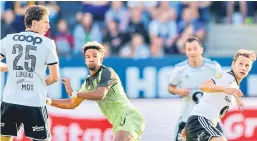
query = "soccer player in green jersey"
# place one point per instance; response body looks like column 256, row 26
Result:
column 103, row 85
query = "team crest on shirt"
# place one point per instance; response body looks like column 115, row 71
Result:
column 218, row 75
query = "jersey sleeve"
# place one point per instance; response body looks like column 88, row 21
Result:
column 2, row 50
column 221, row 78
column 175, row 77
column 107, row 79
column 52, row 57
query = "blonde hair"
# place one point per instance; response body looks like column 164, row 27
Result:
column 94, row 45
column 246, row 53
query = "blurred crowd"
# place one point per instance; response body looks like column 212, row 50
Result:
column 128, row 29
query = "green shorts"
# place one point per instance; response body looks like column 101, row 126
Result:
column 132, row 122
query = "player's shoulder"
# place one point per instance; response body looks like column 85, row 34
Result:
column 8, row 36
column 44, row 38
column 230, row 74
column 212, row 64
column 107, row 69
column 181, row 65
column 225, row 75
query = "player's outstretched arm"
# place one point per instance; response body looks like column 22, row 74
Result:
column 70, row 103
column 210, row 87
column 97, row 94
column 54, row 74
column 3, row 66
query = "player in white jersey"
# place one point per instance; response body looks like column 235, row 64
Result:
column 27, row 56
column 187, row 77
column 219, row 93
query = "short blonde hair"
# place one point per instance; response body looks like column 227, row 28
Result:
column 94, row 45
column 246, row 53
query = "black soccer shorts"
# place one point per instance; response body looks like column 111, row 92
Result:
column 34, row 120
column 198, row 128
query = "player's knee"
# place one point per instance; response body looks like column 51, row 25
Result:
column 221, row 138
column 6, row 138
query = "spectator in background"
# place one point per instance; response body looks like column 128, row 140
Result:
column 144, row 7
column 190, row 25
column 63, row 39
column 118, row 12
column 107, row 52
column 202, row 7
column 96, row 8
column 251, row 6
column 78, row 17
column 136, row 24
column 136, row 49
column 114, row 37
column 165, row 29
column 7, row 23
column 20, row 8
column 6, row 5
column 156, row 48
column 86, row 31
column 230, row 10
column 164, row 7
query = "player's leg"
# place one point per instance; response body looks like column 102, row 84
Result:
column 36, row 123
column 221, row 138
column 180, row 127
column 10, row 117
column 123, row 136
column 130, row 127
column 6, row 138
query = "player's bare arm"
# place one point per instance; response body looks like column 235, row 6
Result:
column 97, row 94
column 173, row 89
column 70, row 103
column 54, row 74
column 210, row 87
column 3, row 66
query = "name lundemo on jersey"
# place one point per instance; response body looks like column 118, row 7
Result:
column 22, row 84
column 24, row 74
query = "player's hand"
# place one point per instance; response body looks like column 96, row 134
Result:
column 240, row 103
column 67, row 85
column 234, row 91
column 183, row 92
column 182, row 135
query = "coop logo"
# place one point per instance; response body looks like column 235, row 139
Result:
column 238, row 126
column 34, row 40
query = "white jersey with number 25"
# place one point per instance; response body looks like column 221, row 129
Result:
column 27, row 56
